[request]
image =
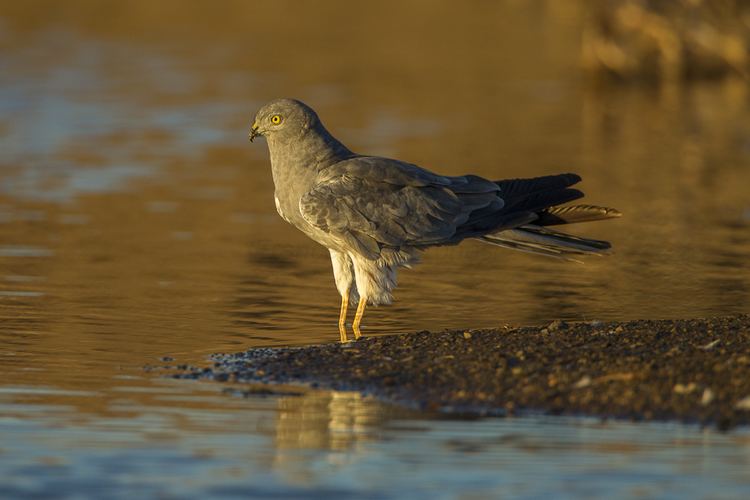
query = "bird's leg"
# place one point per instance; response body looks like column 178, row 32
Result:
column 358, row 317
column 342, row 317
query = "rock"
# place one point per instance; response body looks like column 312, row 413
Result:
column 743, row 404
column 684, row 388
column 711, row 345
column 583, row 382
column 557, row 325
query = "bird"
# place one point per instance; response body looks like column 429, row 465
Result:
column 376, row 215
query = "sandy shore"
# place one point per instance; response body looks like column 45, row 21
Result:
column 695, row 371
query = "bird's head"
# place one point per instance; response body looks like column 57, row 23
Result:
column 283, row 118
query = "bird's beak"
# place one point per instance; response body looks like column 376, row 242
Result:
column 254, row 132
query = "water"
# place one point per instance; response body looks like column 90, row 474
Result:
column 137, row 223
column 190, row 442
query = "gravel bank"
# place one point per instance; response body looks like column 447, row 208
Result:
column 695, row 371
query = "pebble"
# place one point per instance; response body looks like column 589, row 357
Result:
column 684, row 388
column 583, row 382
column 557, row 325
column 711, row 345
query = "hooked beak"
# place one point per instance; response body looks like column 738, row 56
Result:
column 254, row 132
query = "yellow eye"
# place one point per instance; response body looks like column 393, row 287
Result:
column 276, row 119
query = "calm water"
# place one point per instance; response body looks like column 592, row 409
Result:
column 137, row 222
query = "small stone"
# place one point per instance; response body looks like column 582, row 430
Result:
column 467, row 335
column 743, row 404
column 619, row 329
column 710, row 345
column 557, row 325
column 584, row 382
column 166, row 359
column 708, row 396
column 684, row 388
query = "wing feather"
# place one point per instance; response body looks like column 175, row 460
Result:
column 372, row 203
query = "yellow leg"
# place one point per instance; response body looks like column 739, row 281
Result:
column 342, row 317
column 358, row 317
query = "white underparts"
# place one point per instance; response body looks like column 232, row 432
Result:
column 373, row 280
column 343, row 274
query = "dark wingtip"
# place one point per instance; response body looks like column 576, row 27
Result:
column 570, row 194
column 573, row 178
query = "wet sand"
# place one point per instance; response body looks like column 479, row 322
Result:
column 693, row 371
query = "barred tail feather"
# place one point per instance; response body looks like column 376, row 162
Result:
column 571, row 214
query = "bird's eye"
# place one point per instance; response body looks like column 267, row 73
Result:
column 276, row 119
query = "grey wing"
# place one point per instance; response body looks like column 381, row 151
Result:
column 373, row 203
column 400, row 173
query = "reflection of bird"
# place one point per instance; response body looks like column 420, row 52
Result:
column 376, row 214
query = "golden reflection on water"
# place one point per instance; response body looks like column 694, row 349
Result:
column 137, row 221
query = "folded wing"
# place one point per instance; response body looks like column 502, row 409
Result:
column 375, row 202
column 372, row 203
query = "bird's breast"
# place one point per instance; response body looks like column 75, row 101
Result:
column 293, row 179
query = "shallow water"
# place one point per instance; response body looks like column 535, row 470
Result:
column 137, row 223
column 191, row 442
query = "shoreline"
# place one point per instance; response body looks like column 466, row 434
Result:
column 691, row 371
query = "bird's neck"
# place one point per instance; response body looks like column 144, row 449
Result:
column 314, row 150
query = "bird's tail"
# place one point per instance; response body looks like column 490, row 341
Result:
column 544, row 241
column 533, row 204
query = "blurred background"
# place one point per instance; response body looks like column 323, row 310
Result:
column 137, row 222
